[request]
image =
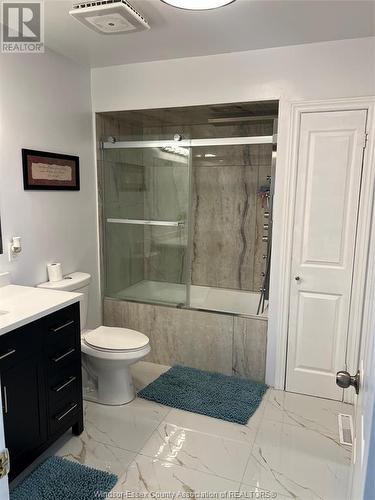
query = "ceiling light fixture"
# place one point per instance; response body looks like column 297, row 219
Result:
column 198, row 4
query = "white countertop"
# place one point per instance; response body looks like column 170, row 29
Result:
column 24, row 304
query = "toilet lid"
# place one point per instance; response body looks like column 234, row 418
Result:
column 116, row 339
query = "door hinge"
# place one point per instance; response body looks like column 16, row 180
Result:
column 4, row 463
column 365, row 139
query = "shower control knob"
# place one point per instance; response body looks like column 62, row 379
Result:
column 177, row 137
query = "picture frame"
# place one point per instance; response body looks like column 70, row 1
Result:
column 50, row 171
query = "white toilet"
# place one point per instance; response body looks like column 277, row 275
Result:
column 107, row 352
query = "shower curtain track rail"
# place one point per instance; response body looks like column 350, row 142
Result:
column 225, row 141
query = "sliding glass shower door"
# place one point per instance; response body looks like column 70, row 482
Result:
column 146, row 207
column 188, row 222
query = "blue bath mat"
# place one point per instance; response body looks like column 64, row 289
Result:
column 61, row 479
column 212, row 394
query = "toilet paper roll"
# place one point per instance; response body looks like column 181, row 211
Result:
column 55, row 271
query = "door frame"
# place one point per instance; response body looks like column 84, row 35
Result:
column 361, row 453
column 284, row 209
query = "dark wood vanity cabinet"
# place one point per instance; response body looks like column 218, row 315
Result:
column 41, row 383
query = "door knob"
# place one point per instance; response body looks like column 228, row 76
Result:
column 297, row 278
column 345, row 380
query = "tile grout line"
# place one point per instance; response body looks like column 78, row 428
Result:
column 256, row 435
column 143, row 445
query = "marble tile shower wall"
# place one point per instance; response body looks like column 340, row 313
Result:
column 228, row 218
column 227, row 214
column 208, row 341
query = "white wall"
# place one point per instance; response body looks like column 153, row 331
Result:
column 314, row 71
column 45, row 104
column 319, row 70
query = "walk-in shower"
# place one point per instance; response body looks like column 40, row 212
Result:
column 187, row 205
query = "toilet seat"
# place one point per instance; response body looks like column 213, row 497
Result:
column 115, row 340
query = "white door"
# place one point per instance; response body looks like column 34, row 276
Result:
column 327, row 196
column 365, row 403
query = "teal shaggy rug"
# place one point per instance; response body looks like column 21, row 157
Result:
column 61, row 479
column 212, row 394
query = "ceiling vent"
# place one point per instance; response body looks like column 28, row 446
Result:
column 109, row 17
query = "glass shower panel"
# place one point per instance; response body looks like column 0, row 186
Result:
column 146, row 206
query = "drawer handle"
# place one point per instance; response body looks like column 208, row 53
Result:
column 61, row 327
column 59, row 358
column 9, row 353
column 66, row 413
column 65, row 384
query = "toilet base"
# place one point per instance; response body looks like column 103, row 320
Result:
column 107, row 382
column 92, row 398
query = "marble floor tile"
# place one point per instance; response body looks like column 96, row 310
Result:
column 298, row 462
column 212, row 426
column 144, row 373
column 198, row 451
column 87, row 451
column 305, row 411
column 289, row 447
column 127, row 426
column 148, row 475
column 250, row 492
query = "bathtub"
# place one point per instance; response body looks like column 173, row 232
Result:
column 244, row 303
column 240, row 302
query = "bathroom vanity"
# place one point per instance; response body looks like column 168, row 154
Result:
column 40, row 370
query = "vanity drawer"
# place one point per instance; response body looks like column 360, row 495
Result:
column 62, row 324
column 65, row 413
column 61, row 344
column 62, row 356
column 64, row 385
column 17, row 345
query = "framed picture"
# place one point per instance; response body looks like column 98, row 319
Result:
column 50, row 171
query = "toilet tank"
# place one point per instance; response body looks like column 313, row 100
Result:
column 74, row 282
